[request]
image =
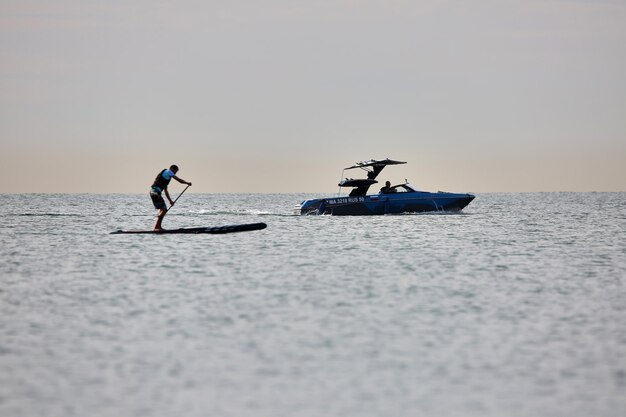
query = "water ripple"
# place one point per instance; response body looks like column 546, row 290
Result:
column 513, row 308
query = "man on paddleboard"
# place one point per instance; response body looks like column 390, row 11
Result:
column 160, row 184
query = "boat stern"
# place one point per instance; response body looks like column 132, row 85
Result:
column 308, row 207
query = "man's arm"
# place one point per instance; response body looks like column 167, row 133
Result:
column 167, row 194
column 180, row 180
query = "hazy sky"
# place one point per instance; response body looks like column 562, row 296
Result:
column 279, row 96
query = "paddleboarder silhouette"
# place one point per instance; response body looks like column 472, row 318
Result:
column 159, row 185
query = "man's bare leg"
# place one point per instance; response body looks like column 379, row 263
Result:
column 160, row 217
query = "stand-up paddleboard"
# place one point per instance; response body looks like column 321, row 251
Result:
column 198, row 230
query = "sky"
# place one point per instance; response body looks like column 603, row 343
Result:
column 279, row 96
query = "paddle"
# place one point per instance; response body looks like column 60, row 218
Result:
column 181, row 193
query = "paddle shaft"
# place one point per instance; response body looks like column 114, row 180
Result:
column 181, row 193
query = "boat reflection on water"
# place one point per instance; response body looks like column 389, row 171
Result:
column 396, row 199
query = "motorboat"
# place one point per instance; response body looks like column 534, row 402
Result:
column 396, row 199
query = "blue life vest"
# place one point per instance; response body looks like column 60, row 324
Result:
column 161, row 182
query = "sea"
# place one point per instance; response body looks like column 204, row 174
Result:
column 515, row 307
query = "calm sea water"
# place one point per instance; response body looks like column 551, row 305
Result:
column 517, row 307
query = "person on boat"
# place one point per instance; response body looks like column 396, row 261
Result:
column 387, row 189
column 159, row 185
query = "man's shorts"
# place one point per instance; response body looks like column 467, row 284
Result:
column 157, row 200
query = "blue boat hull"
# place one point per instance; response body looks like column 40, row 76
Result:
column 381, row 204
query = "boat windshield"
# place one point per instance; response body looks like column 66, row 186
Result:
column 403, row 188
column 411, row 188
